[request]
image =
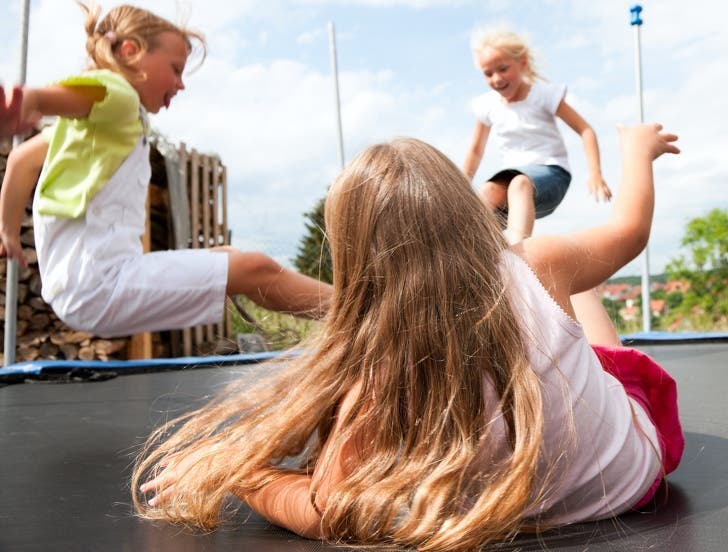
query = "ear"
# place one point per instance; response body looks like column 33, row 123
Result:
column 128, row 49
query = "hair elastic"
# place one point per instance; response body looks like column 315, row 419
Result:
column 111, row 37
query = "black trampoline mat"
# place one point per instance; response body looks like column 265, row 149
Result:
column 67, row 452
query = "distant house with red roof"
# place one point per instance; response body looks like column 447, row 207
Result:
column 657, row 306
column 679, row 286
column 629, row 313
column 629, row 295
column 615, row 292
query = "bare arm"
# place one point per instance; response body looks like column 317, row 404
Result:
column 577, row 262
column 65, row 101
column 287, row 501
column 477, row 147
column 23, row 166
column 595, row 182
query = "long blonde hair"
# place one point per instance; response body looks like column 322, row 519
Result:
column 420, row 316
column 128, row 23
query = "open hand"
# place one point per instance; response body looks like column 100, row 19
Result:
column 598, row 188
column 647, row 139
column 11, row 120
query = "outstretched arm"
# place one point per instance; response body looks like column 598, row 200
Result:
column 65, row 101
column 577, row 262
column 21, row 173
column 595, row 182
column 26, row 106
column 475, row 153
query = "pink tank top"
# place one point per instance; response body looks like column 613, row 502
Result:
column 600, row 457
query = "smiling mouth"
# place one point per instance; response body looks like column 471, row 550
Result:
column 167, row 100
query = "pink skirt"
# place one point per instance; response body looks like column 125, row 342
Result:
column 653, row 388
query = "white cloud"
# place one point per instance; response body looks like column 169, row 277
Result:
column 310, row 37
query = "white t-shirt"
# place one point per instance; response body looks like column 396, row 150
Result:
column 597, row 461
column 525, row 132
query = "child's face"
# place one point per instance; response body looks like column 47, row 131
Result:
column 503, row 73
column 163, row 67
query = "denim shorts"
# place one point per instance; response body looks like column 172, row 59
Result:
column 550, row 183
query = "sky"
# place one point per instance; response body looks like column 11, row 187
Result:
column 264, row 98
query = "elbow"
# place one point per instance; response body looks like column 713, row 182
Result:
column 587, row 133
column 636, row 245
column 627, row 235
column 631, row 240
column 639, row 233
column 641, row 237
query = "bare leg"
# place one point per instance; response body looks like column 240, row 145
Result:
column 494, row 194
column 273, row 287
column 521, row 209
column 593, row 317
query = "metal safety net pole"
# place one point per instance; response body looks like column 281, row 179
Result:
column 11, row 274
column 636, row 22
column 335, row 70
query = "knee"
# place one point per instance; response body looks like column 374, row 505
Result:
column 493, row 195
column 520, row 186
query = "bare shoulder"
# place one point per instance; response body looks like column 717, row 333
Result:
column 551, row 259
column 544, row 253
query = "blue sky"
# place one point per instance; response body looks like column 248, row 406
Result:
column 263, row 100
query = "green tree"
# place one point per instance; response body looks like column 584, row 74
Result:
column 314, row 256
column 705, row 268
column 674, row 300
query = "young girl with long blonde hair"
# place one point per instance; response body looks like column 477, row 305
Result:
column 451, row 399
column 89, row 208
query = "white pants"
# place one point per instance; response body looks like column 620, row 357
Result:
column 162, row 290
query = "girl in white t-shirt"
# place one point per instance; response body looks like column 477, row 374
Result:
column 521, row 112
